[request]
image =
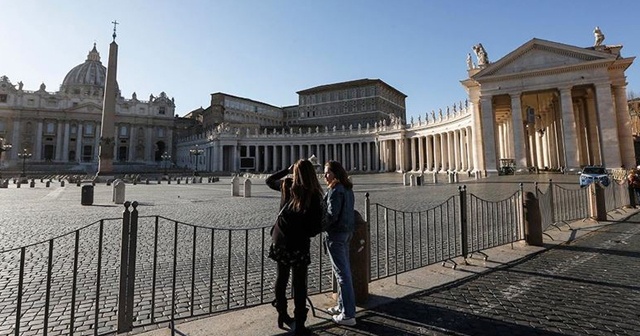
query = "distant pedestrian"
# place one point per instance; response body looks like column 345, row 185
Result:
column 634, row 182
column 300, row 218
column 340, row 208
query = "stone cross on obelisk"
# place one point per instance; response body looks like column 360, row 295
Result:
column 107, row 132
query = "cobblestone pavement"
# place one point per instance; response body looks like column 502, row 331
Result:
column 587, row 287
column 32, row 215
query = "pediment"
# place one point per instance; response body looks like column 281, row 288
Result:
column 87, row 107
column 537, row 55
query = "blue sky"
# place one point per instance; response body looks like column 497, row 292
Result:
column 267, row 50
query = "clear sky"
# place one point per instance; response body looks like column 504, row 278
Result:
column 267, row 50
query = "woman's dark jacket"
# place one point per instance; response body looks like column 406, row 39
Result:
column 298, row 226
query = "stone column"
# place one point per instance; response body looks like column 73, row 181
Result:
column 266, row 158
column 361, row 156
column 148, row 157
column 79, row 137
column 37, row 154
column 488, row 136
column 274, row 157
column 371, row 156
column 15, row 141
column 421, row 154
column 478, row 151
column 429, row 151
column 456, row 150
column 569, row 130
column 412, row 149
column 65, row 142
column 383, row 156
column 351, row 157
column 625, row 138
column 59, row 137
column 376, row 157
column 444, row 154
column 463, row 149
column 437, row 150
column 132, row 146
column 594, row 136
column 517, row 136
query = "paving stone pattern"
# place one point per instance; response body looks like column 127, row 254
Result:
column 588, row 287
column 31, row 215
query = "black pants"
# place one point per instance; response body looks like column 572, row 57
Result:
column 299, row 283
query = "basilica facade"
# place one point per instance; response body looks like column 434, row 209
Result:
column 61, row 129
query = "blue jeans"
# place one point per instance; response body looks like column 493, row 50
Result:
column 338, row 246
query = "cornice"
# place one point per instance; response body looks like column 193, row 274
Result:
column 547, row 72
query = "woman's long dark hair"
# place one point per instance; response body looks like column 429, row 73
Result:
column 340, row 174
column 305, row 185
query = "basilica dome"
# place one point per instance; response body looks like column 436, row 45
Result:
column 87, row 78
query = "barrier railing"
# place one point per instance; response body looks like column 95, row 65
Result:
column 120, row 273
column 464, row 224
column 406, row 240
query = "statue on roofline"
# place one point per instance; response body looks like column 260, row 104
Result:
column 599, row 37
column 481, row 54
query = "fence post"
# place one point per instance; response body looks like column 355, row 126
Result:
column 520, row 235
column 123, row 323
column 552, row 202
column 598, row 201
column 533, row 220
column 131, row 267
column 464, row 235
column 360, row 256
column 127, row 267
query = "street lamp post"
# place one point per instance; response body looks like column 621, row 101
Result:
column 24, row 156
column 3, row 148
column 165, row 157
column 196, row 152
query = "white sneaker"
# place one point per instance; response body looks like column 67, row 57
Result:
column 343, row 320
column 334, row 310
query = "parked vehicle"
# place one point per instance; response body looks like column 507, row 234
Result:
column 590, row 174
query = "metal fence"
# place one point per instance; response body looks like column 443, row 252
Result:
column 463, row 224
column 119, row 273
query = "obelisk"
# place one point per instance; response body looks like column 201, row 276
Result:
column 107, row 131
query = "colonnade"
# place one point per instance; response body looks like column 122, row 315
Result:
column 440, row 152
column 361, row 155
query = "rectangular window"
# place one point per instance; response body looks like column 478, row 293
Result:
column 161, row 132
column 87, row 153
column 50, row 128
column 88, row 129
column 162, row 110
column 3, row 98
column 123, row 131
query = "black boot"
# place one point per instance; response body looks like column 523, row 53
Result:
column 300, row 318
column 283, row 315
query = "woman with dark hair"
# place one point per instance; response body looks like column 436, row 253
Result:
column 340, row 208
column 301, row 212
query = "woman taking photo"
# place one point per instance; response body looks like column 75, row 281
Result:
column 340, row 208
column 301, row 212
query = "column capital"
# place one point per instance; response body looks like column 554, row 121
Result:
column 515, row 95
column 565, row 89
column 485, row 98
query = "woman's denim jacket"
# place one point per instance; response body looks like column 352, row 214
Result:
column 340, row 206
